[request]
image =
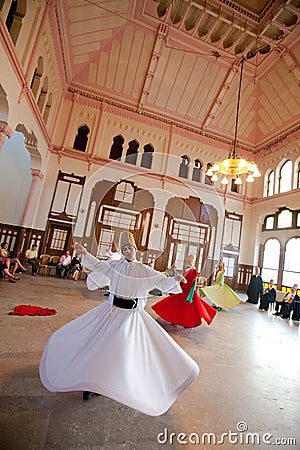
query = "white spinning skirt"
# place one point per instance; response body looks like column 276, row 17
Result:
column 119, row 353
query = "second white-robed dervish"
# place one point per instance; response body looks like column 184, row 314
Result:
column 120, row 353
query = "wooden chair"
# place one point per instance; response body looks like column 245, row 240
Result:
column 43, row 264
column 54, row 260
column 84, row 273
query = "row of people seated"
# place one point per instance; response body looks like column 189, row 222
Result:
column 283, row 304
column 62, row 265
column 66, row 264
column 289, row 306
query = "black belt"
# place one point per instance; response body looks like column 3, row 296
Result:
column 125, row 303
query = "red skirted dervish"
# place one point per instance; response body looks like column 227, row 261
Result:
column 187, row 308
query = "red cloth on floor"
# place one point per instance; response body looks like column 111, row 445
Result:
column 28, row 310
column 177, row 310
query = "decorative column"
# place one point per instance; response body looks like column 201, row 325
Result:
column 5, row 131
column 36, row 176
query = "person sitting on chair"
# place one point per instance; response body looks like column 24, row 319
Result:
column 5, row 265
column 268, row 297
column 64, row 263
column 285, row 307
column 296, row 306
column 76, row 267
column 31, row 256
column 9, row 261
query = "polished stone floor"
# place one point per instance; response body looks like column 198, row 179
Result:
column 248, row 389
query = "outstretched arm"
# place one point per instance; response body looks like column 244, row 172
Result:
column 91, row 262
column 80, row 249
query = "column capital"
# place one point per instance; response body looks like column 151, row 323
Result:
column 37, row 174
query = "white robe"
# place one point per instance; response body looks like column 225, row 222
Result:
column 123, row 354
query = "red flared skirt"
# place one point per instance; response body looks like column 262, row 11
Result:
column 177, row 310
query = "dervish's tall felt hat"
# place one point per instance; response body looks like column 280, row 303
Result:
column 127, row 238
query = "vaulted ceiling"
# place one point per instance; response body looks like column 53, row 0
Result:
column 180, row 60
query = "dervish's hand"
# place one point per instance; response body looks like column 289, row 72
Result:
column 180, row 278
column 80, row 250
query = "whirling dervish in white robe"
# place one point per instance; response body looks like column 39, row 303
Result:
column 119, row 352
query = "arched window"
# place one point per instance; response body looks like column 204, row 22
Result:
column 196, row 170
column 132, row 152
column 285, row 219
column 286, row 177
column 14, row 18
column 298, row 176
column 147, row 156
column 271, row 260
column 81, row 139
column 42, row 97
column 47, row 108
column 116, row 149
column 208, row 179
column 291, row 268
column 36, row 79
column 184, row 167
column 270, row 184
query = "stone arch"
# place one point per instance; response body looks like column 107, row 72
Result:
column 31, row 143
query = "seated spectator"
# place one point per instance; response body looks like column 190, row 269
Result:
column 285, row 307
column 64, row 263
column 6, row 272
column 18, row 267
column 296, row 305
column 5, row 265
column 8, row 260
column 31, row 256
column 268, row 297
column 76, row 267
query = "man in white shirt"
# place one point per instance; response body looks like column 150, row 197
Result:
column 64, row 263
column 31, row 256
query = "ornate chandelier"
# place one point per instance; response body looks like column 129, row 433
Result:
column 234, row 166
